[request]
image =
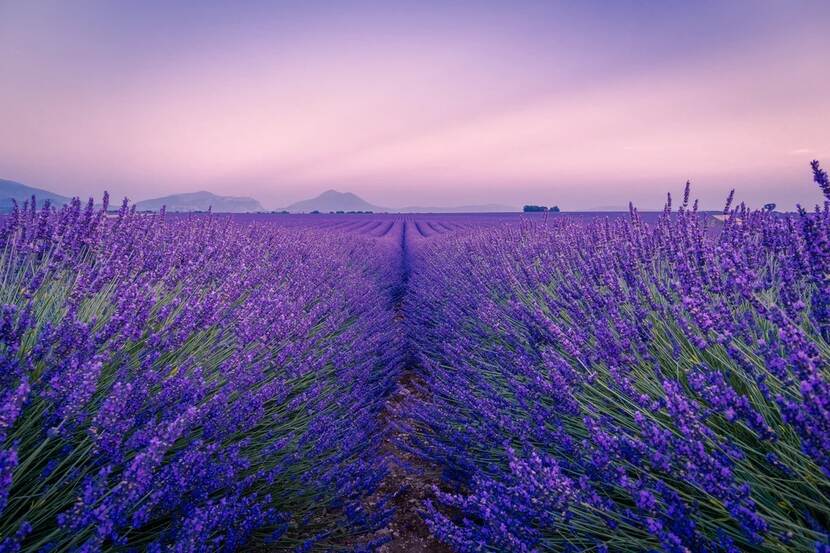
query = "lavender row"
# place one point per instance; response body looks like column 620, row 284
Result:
column 617, row 385
column 190, row 383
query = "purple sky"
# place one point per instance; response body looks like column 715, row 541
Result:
column 582, row 104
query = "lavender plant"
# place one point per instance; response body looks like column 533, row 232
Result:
column 189, row 383
column 198, row 383
column 617, row 385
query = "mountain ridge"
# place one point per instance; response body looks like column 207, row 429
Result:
column 201, row 201
column 19, row 192
column 327, row 201
column 333, row 200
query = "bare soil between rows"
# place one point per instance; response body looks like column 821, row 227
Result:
column 410, row 480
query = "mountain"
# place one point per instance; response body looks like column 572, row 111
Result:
column 201, row 201
column 11, row 190
column 332, row 200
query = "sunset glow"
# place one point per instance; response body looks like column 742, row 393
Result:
column 420, row 103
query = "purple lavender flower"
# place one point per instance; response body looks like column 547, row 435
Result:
column 820, row 177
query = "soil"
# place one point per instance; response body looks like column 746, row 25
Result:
column 410, row 480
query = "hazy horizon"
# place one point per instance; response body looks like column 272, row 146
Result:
column 576, row 104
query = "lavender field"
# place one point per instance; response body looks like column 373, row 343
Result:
column 549, row 382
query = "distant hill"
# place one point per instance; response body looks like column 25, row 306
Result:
column 332, row 200
column 201, row 201
column 11, row 190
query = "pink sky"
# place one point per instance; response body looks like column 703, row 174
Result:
column 417, row 103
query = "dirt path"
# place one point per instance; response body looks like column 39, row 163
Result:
column 410, row 479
